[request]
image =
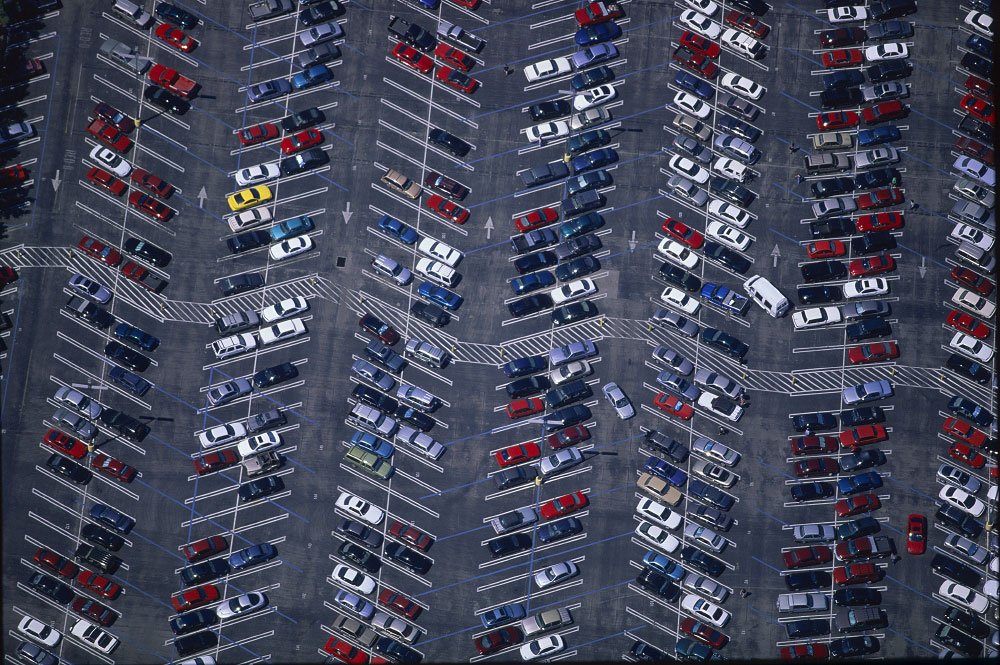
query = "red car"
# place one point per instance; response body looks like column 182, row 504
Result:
column 195, row 597
column 55, row 562
column 884, row 112
column 871, row 265
column 982, row 86
column 105, row 180
column 972, row 280
column 155, row 185
column 113, row 467
column 748, row 24
column 978, row 108
column 202, row 549
column 681, row 232
column 535, row 219
column 412, row 57
column 700, row 44
column 7, row 275
column 498, row 639
column 445, row 185
column 812, row 651
column 345, row 652
column 564, row 505
column 11, row 175
column 399, row 603
column 856, row 573
column 704, row 633
column 22, row 70
column 855, row 505
column 963, row 431
column 108, row 135
column 872, row 353
column 696, row 62
column 883, row 221
column 963, row 452
column 825, row 249
column 411, row 535
column 673, row 406
column 974, row 149
column 862, row 436
column 469, row 4
column 175, row 38
column 916, row 534
column 807, row 556
column 301, row 141
column 379, row 329
column 98, row 584
column 258, row 133
column 454, row 57
column 524, row 407
column 816, row 466
column 447, row 209
column 968, row 324
column 809, row 445
column 880, row 198
column 113, row 117
column 100, row 251
column 568, row 437
column 598, row 12
column 842, row 58
column 516, row 454
column 91, row 609
column 150, row 206
column 215, row 462
column 65, row 444
column 456, row 79
column 836, row 120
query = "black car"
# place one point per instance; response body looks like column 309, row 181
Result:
column 430, row 313
column 840, row 37
column 449, row 142
column 891, row 70
column 381, row 354
column 133, row 335
column 103, row 537
column 551, row 531
column 513, row 477
column 897, row 30
column 968, row 368
column 878, row 178
column 303, row 161
column 68, row 468
column 811, row 491
column 318, row 55
column 529, row 385
column 565, row 417
column 677, row 276
column 593, row 77
column 965, row 621
column 880, row 10
column 526, row 365
column 843, row 79
column 961, row 520
column 191, row 621
column 740, row 128
column 959, row 641
column 238, row 284
column 166, row 101
column 359, row 556
column 360, row 533
column 577, row 311
column 724, row 342
column 158, row 257
column 195, row 642
column 710, row 494
column 974, row 412
column 976, row 129
column 980, row 45
column 247, row 241
column 372, row 397
column 814, row 422
column 667, row 445
column 823, row 271
column 703, row 562
column 89, row 312
column 868, row 329
column 576, row 268
column 568, row 393
column 206, row 571
column 807, row 580
column 757, row 7
column 857, row 596
column 530, row 304
column 836, row 98
column 303, row 120
column 727, row 257
column 595, row 138
column 129, row 427
column 583, row 202
column 956, row 571
column 274, row 375
column 713, row 517
column 549, row 110
column 536, row 261
column 176, row 15
column 864, row 526
column 52, row 588
column 412, row 559
column 324, row 11
column 863, row 415
column 873, row 242
column 807, row 628
column 645, row 653
column 831, row 187
column 659, row 584
column 258, row 489
column 812, row 295
column 831, row 228
column 578, row 246
column 862, row 459
column 731, row 190
column 398, row 652
column 412, row 416
column 540, row 175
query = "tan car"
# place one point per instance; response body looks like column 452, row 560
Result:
column 399, row 182
column 833, row 141
column 659, row 489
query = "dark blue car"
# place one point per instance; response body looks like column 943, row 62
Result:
column 373, row 444
column 396, row 229
column 129, row 333
column 863, row 482
column 440, row 295
column 692, row 83
column 532, row 282
column 131, row 382
column 601, row 32
column 969, row 409
column 585, row 224
column 594, row 159
column 249, row 556
column 523, row 366
column 879, row 135
column 665, row 470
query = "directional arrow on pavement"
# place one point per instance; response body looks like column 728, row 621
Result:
column 631, row 242
column 775, row 253
column 202, row 195
column 489, row 227
column 347, row 213
column 56, row 181
column 923, row 267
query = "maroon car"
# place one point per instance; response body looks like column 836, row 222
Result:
column 412, row 535
column 202, row 549
column 498, row 639
column 375, row 327
column 817, row 466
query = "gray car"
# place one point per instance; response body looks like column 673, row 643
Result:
column 366, row 370
column 317, row 55
column 881, row 156
column 813, row 533
column 619, row 401
column 864, row 309
column 572, row 351
column 229, row 391
column 883, row 92
column 550, row 619
column 867, row 392
column 261, row 92
column 79, row 402
column 736, row 148
column 88, row 288
column 82, row 427
column 715, row 451
column 677, row 385
column 679, row 323
column 324, row 32
column 960, row 479
column 838, row 205
column 690, row 147
column 515, row 519
column 966, row 547
column 674, row 360
column 717, row 383
column 810, row 601
column 687, row 190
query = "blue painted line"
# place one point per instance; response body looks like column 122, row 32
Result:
column 521, row 17
column 931, row 71
column 346, row 45
column 809, row 14
column 909, row 155
column 168, row 445
column 913, row 251
column 766, row 616
column 13, row 345
column 608, row 637
column 496, row 244
column 156, row 544
column 912, row 489
column 355, row 2
column 919, row 593
column 895, row 632
column 796, row 52
column 462, row 533
column 629, row 251
column 797, row 101
column 787, row 191
column 453, row 633
column 45, row 140
column 452, row 489
column 127, row 587
column 891, row 528
column 788, row 143
column 259, row 394
column 764, row 563
column 780, row 521
column 924, row 115
column 779, row 233
column 763, row 463
column 141, row 645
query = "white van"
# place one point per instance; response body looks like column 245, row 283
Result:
column 134, row 12
column 766, row 295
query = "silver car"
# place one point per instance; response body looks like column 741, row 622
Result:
column 867, row 392
column 678, row 322
column 811, row 601
column 515, row 519
column 715, row 450
column 705, row 537
column 690, row 146
column 353, row 604
column 619, row 401
column 967, row 548
column 677, row 385
column 79, row 402
column 366, row 370
column 864, row 309
column 88, row 288
column 881, row 156
column 687, row 190
column 424, row 443
column 561, row 461
column 229, row 391
column 550, row 619
column 961, row 479
column 813, row 533
column 324, row 32
column 572, row 351
column 718, row 383
column 555, row 574
column 82, row 427
column 713, row 472
column 671, row 358
column 838, row 205
column 884, row 91
column 569, row 371
column 706, row 587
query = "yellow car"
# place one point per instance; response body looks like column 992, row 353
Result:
column 249, row 197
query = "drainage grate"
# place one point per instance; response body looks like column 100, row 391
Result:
column 341, row 261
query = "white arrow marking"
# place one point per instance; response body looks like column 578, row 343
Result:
column 202, row 195
column 775, row 253
column 56, row 181
column 347, row 213
column 489, row 227
column 923, row 267
column 631, row 242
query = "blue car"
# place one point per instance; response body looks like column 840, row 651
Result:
column 111, row 517
column 665, row 470
column 724, row 297
column 532, row 282
column 969, row 409
column 502, row 615
column 593, row 34
column 594, row 159
column 692, row 83
column 863, row 482
column 585, row 224
column 522, row 366
column 593, row 55
column 440, row 295
column 663, row 565
column 373, row 444
column 290, row 228
column 394, row 228
column 312, row 76
column 879, row 135
column 262, row 92
column 254, row 554
column 129, row 333
column 588, row 181
column 131, row 382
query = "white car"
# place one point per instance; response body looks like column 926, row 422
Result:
column 547, row 69
column 700, row 23
column 847, row 14
column 743, row 43
column 964, row 596
column 720, row 406
column 436, row 271
column 706, row 586
column 730, row 213
column 79, row 402
column 974, row 302
column 88, row 288
column 618, row 400
column 569, row 371
column 254, row 175
column 222, row 434
column 436, row 249
column 682, row 301
column 555, row 574
column 972, row 235
column 973, row 168
column 815, row 316
column 284, row 309
column 678, row 253
column 888, row 51
column 575, row 290
column 240, row 605
column 38, row 631
column 398, row 628
column 713, row 472
column 992, row 590
column 659, row 513
column 742, row 86
column 588, row 99
column 358, row 507
column 286, row 249
column 354, row 580
column 731, row 169
column 962, row 500
column 547, row 131
column 95, row 636
column 705, row 610
column 727, row 235
column 657, row 536
column 704, row 536
column 866, row 288
column 685, row 167
column 561, row 461
column 281, row 331
column 543, row 647
column 716, row 451
column 589, row 118
column 693, row 105
column 249, row 218
column 258, row 444
column 111, row 160
column 706, row 7
column 980, row 22
column 970, row 346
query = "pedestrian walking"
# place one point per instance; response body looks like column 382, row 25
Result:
column 798, row 178
column 808, row 432
column 722, row 430
column 743, row 593
column 913, row 205
column 507, row 71
column 792, row 147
